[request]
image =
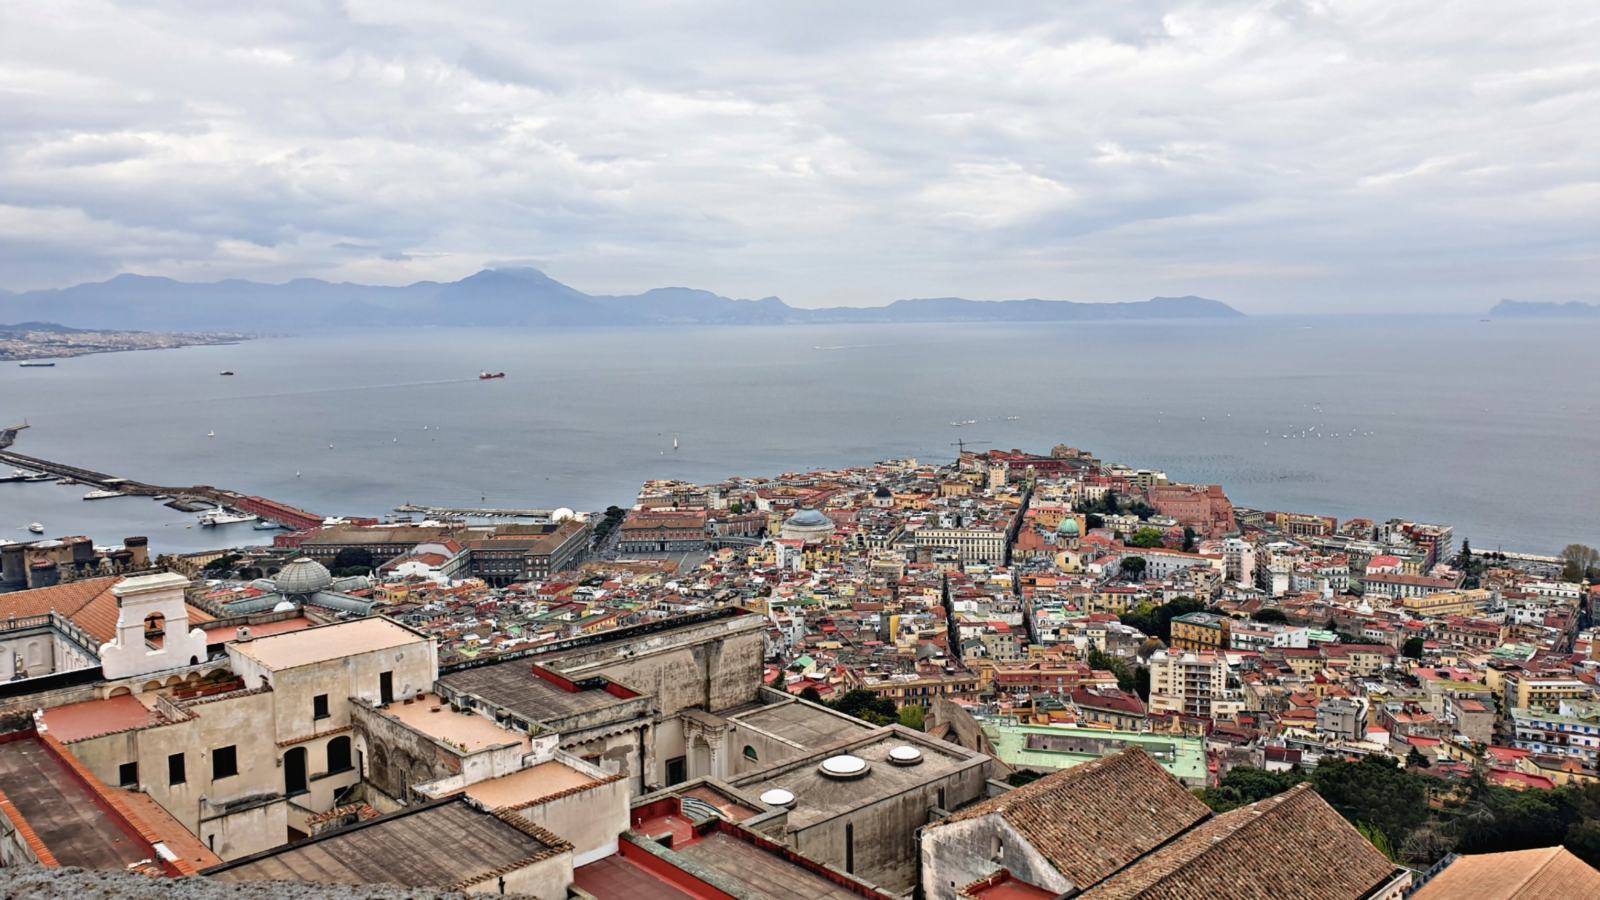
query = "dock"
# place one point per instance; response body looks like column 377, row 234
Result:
column 200, row 496
column 457, row 512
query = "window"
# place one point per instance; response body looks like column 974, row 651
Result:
column 128, row 775
column 339, row 754
column 850, row 848
column 224, row 762
column 175, row 770
column 386, row 687
column 319, row 706
column 750, row 753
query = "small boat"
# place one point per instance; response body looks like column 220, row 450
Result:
column 41, row 476
column 223, row 517
column 211, row 434
column 36, row 528
column 486, row 376
column 101, row 495
column 36, row 365
column 227, row 373
column 16, row 475
column 265, row 525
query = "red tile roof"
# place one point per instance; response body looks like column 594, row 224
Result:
column 1093, row 819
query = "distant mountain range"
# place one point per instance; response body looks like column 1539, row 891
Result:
column 1519, row 309
column 510, row 297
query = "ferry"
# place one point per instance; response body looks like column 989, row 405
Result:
column 223, row 517
column 101, row 495
column 486, row 376
column 35, row 364
column 36, row 528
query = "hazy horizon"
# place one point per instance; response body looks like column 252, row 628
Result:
column 1295, row 157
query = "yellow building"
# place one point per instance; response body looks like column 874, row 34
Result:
column 1446, row 603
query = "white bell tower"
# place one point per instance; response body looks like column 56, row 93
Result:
column 139, row 599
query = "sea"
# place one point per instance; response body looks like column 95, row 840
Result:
column 1491, row 427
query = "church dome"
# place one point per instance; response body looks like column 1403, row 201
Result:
column 303, row 576
column 807, row 525
column 882, row 492
column 809, row 518
column 1068, row 527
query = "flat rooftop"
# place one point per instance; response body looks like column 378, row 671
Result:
column 617, row 878
column 435, row 846
column 62, row 811
column 91, row 718
column 528, row 786
column 767, row 874
column 309, row 646
column 514, row 686
column 433, row 717
column 803, row 724
column 821, row 797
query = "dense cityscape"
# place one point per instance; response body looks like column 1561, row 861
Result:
column 737, row 687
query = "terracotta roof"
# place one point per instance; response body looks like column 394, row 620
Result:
column 1292, row 845
column 1093, row 819
column 1545, row 872
column 88, row 603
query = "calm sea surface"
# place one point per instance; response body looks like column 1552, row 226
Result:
column 1490, row 427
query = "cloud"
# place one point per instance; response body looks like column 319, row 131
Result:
column 1284, row 156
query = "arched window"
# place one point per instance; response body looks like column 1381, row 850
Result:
column 339, row 754
column 750, row 753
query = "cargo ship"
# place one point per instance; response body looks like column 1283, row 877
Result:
column 34, row 364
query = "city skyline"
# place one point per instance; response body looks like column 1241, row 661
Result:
column 1294, row 159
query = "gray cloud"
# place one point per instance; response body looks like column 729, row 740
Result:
column 1289, row 156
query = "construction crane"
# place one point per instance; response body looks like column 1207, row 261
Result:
column 961, row 446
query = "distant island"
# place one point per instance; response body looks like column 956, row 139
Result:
column 50, row 340
column 1520, row 309
column 514, row 297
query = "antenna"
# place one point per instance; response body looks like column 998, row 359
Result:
column 961, row 446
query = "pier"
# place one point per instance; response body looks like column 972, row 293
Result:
column 454, row 512
column 182, row 497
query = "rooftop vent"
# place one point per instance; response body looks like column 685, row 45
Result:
column 843, row 766
column 905, row 755
column 778, row 797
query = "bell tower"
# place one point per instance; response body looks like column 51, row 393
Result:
column 151, row 605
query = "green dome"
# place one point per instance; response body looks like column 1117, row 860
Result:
column 1068, row 527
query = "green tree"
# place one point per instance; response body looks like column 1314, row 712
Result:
column 222, row 563
column 1377, row 838
column 912, row 717
column 1577, row 560
column 1244, row 785
column 1146, row 538
column 1101, row 660
column 1189, row 539
column 1376, row 791
column 352, row 561
column 1271, row 616
column 1415, row 759
column 810, row 695
column 1133, row 567
column 1412, row 648
column 1093, row 521
column 1022, row 777
column 867, row 706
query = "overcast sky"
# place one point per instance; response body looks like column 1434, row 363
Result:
column 1288, row 156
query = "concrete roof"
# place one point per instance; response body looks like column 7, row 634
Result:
column 803, row 724
column 67, row 818
column 821, row 797
column 434, row 717
column 324, row 642
column 438, row 846
column 528, row 785
column 77, row 721
column 512, row 685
